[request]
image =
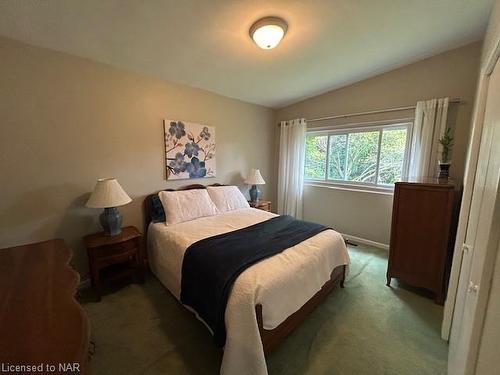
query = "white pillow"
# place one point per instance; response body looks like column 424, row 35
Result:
column 227, row 198
column 186, row 205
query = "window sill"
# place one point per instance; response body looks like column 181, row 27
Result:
column 351, row 187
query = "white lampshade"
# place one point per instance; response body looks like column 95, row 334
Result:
column 255, row 178
column 108, row 193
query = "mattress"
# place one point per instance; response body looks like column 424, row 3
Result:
column 282, row 284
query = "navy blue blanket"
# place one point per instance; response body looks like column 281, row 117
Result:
column 211, row 265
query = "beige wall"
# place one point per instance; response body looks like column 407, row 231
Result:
column 453, row 74
column 66, row 121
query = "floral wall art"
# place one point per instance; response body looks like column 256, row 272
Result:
column 189, row 150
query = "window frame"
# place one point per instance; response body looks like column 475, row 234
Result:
column 360, row 128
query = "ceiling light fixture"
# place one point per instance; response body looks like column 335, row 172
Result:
column 268, row 32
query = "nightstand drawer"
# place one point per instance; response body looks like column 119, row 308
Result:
column 115, row 249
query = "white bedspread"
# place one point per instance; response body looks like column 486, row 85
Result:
column 281, row 283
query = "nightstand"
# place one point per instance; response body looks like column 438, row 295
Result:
column 261, row 205
column 114, row 257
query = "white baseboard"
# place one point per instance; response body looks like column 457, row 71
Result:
column 364, row 241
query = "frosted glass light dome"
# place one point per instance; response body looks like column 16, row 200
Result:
column 268, row 32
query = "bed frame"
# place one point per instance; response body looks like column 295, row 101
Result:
column 271, row 339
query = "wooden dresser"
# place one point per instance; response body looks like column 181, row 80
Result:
column 41, row 323
column 424, row 221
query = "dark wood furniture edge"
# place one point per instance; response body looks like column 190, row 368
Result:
column 271, row 339
column 69, row 279
column 85, row 323
column 85, row 348
column 85, row 345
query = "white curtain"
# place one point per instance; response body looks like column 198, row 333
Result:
column 429, row 126
column 291, row 167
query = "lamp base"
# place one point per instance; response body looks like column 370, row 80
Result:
column 254, row 193
column 111, row 221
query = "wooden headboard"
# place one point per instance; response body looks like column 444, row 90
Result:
column 147, row 202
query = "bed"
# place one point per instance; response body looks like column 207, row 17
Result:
column 270, row 298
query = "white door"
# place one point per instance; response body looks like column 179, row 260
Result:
column 481, row 242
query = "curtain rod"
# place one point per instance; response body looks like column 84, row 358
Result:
column 396, row 109
column 360, row 124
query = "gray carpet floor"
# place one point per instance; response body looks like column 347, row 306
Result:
column 365, row 328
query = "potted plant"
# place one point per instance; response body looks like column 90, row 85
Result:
column 446, row 142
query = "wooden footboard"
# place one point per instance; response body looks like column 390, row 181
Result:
column 272, row 338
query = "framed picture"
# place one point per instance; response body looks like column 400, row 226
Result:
column 189, row 150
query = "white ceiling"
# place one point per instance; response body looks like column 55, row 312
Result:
column 205, row 43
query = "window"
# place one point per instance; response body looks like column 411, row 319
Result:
column 369, row 156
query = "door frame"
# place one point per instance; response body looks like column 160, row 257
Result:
column 461, row 249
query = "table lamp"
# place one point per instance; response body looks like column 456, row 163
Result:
column 254, row 179
column 108, row 194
